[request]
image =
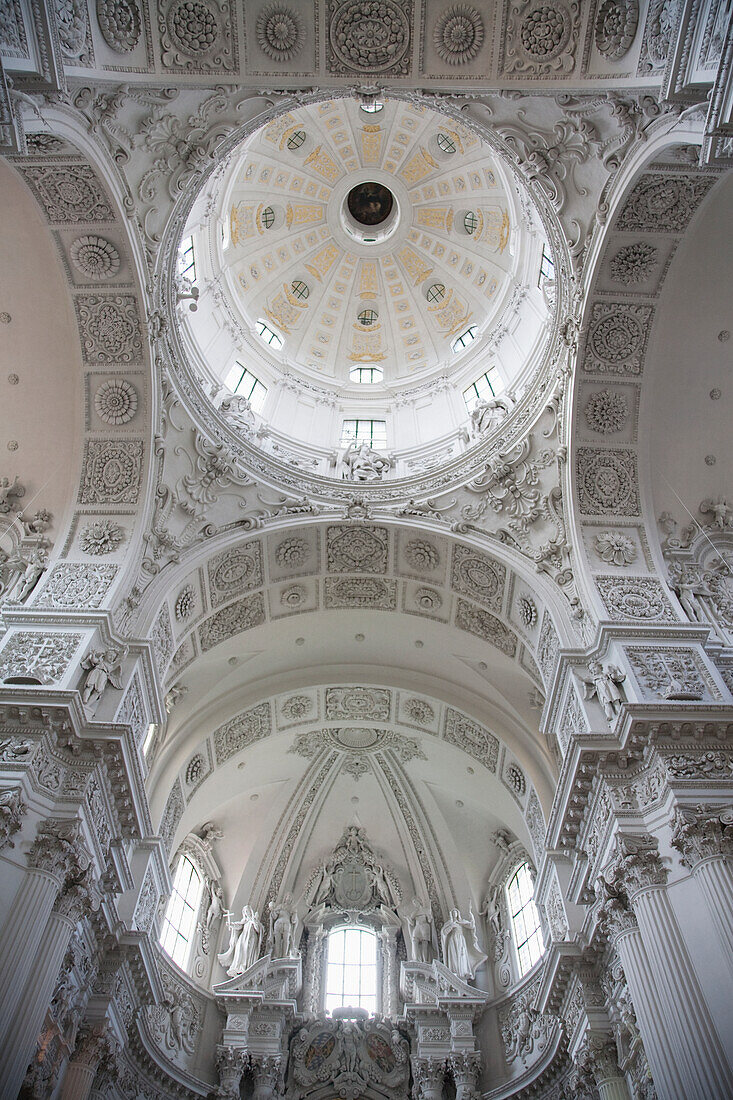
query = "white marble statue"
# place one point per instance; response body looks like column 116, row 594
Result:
column 461, row 952
column 363, row 463
column 422, row 933
column 104, row 668
column 605, row 684
column 487, row 413
column 238, row 411
column 491, row 910
column 283, row 920
column 245, row 941
column 215, row 907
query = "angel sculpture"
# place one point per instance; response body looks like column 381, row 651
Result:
column 605, row 684
column 422, row 933
column 486, row 414
column 215, row 907
column 104, row 668
column 283, row 922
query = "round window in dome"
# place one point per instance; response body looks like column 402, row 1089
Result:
column 446, row 144
column 296, row 140
column 368, row 317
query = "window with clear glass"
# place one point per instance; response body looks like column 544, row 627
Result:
column 267, row 217
column 485, row 387
column 367, row 317
column 446, row 144
column 373, row 432
column 179, row 922
column 300, row 289
column 242, row 381
column 525, row 919
column 547, row 268
column 186, row 259
column 269, row 335
column 351, row 969
column 371, row 106
column 470, row 222
column 296, row 140
column 464, row 339
column 436, row 292
column 366, row 376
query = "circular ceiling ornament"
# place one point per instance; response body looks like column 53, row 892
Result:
column 370, row 35
column 280, row 32
column 633, row 263
column 458, row 35
column 115, row 401
column 370, row 203
column 545, row 31
column 193, row 26
column 95, row 257
column 120, row 24
column 616, row 24
column 356, row 739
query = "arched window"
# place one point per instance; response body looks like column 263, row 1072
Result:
column 179, row 922
column 351, row 969
column 525, row 920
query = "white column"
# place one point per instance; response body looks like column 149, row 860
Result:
column 659, row 1041
column 597, row 1056
column 54, row 856
column 708, row 1071
column 429, row 1075
column 704, row 837
column 92, row 1047
column 230, row 1062
column 639, row 877
column 22, row 1035
column 266, row 1070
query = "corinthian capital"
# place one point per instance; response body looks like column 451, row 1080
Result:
column 12, row 809
column 230, row 1062
column 638, row 864
column 614, row 911
column 79, row 898
column 266, row 1070
column 597, row 1056
column 429, row 1074
column 702, row 833
column 59, row 850
column 466, row 1068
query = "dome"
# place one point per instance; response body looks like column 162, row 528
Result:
column 356, row 255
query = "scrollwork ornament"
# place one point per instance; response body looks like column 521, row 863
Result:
column 120, row 23
column 615, row 27
column 459, row 34
column 280, row 32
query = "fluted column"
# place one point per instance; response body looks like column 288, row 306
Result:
column 93, row 1046
column 659, row 1041
column 266, row 1075
column 230, row 1063
column 429, row 1077
column 699, row 1052
column 466, row 1069
column 597, row 1056
column 704, row 838
column 19, row 1045
column 54, row 857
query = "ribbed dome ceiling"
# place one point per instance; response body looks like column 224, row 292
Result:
column 437, row 177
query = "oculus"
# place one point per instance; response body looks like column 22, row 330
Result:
column 370, row 203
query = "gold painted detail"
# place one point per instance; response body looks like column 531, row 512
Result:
column 323, row 260
column 303, row 215
column 432, row 217
column 242, row 222
column 366, row 347
column 451, row 315
column 419, row 165
column 274, row 130
column 321, row 162
column 285, row 310
column 371, row 145
column 368, row 284
column 496, row 229
column 415, row 266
